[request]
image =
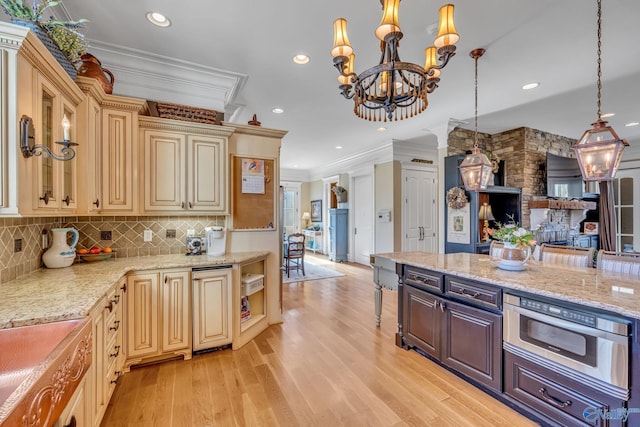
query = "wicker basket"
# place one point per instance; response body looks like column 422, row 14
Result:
column 51, row 46
column 186, row 113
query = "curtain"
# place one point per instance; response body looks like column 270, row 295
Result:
column 607, row 232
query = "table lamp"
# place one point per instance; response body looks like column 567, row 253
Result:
column 306, row 216
column 485, row 215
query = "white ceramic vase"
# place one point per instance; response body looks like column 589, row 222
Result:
column 514, row 258
column 60, row 254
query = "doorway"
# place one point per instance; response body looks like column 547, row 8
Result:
column 362, row 215
column 420, row 217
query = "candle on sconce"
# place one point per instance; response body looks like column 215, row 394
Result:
column 66, row 125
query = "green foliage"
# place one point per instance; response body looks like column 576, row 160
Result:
column 19, row 10
column 511, row 233
column 70, row 42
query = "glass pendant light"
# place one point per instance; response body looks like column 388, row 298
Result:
column 599, row 149
column 476, row 168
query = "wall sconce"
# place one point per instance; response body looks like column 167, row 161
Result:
column 30, row 148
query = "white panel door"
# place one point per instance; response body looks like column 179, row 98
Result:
column 362, row 209
column 420, row 220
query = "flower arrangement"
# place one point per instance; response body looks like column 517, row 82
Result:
column 513, row 234
column 64, row 33
column 456, row 198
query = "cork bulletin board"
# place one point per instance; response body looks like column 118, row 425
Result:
column 253, row 204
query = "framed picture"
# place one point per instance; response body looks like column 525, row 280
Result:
column 316, row 211
column 590, row 228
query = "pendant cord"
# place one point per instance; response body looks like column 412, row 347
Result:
column 599, row 57
column 475, row 144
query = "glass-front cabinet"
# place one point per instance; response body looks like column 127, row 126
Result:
column 54, row 180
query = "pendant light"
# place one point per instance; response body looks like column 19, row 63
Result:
column 476, row 168
column 599, row 149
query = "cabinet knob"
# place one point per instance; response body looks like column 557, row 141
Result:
column 45, row 198
column 190, row 205
column 182, row 205
column 67, row 200
column 124, row 287
column 110, row 306
column 115, row 380
column 97, row 203
column 72, row 422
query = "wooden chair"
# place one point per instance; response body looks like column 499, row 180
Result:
column 294, row 258
column 566, row 255
column 619, row 262
column 495, row 249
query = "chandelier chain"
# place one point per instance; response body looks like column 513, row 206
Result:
column 599, row 58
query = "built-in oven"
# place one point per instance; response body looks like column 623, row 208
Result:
column 594, row 344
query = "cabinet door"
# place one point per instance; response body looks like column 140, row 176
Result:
column 164, row 171
column 142, row 315
column 48, row 130
column 68, row 169
column 212, row 311
column 119, row 156
column 473, row 343
column 421, row 320
column 93, row 146
column 207, row 174
column 176, row 314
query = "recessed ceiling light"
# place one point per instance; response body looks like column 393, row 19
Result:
column 381, row 129
column 632, row 124
column 277, row 110
column 301, row 59
column 606, row 115
column 158, row 19
column 338, row 147
column 530, row 86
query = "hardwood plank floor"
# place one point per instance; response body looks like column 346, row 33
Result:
column 326, row 365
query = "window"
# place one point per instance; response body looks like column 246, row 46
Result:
column 290, row 210
column 627, row 209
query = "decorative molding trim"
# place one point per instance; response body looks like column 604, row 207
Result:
column 255, row 130
column 147, row 122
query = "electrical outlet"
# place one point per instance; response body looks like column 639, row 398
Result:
column 191, row 232
column 105, row 235
column 171, row 234
column 17, row 245
column 148, row 235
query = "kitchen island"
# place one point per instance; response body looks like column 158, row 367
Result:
column 557, row 343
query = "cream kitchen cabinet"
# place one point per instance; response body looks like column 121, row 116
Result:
column 185, row 166
column 212, row 313
column 158, row 315
column 77, row 412
column 110, row 123
column 108, row 348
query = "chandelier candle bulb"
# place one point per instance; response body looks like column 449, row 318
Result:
column 447, row 34
column 341, row 45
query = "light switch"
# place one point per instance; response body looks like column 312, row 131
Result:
column 384, row 216
column 148, row 235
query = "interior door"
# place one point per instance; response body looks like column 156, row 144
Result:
column 362, row 208
column 420, row 219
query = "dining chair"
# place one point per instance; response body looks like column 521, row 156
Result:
column 566, row 255
column 294, row 258
column 619, row 262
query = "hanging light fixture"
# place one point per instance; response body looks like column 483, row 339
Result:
column 476, row 168
column 392, row 90
column 599, row 149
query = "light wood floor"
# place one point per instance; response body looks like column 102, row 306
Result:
column 326, row 365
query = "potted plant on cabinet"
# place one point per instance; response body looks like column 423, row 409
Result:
column 62, row 38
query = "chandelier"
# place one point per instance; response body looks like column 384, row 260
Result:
column 599, row 149
column 392, row 90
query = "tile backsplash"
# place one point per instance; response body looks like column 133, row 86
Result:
column 168, row 237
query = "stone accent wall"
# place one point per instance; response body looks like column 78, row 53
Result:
column 126, row 237
column 524, row 152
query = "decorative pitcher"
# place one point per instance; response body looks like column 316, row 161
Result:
column 514, row 257
column 92, row 67
column 61, row 254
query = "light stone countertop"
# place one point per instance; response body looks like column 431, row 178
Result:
column 49, row 295
column 614, row 292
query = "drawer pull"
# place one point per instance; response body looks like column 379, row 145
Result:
column 116, row 298
column 72, row 422
column 552, row 400
column 117, row 353
column 110, row 306
column 67, row 200
column 97, row 203
column 45, row 198
column 116, row 326
column 463, row 291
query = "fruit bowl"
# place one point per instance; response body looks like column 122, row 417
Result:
column 95, row 257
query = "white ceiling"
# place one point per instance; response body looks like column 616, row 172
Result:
column 237, row 56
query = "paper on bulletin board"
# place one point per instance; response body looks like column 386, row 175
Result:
column 459, row 230
column 253, row 176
